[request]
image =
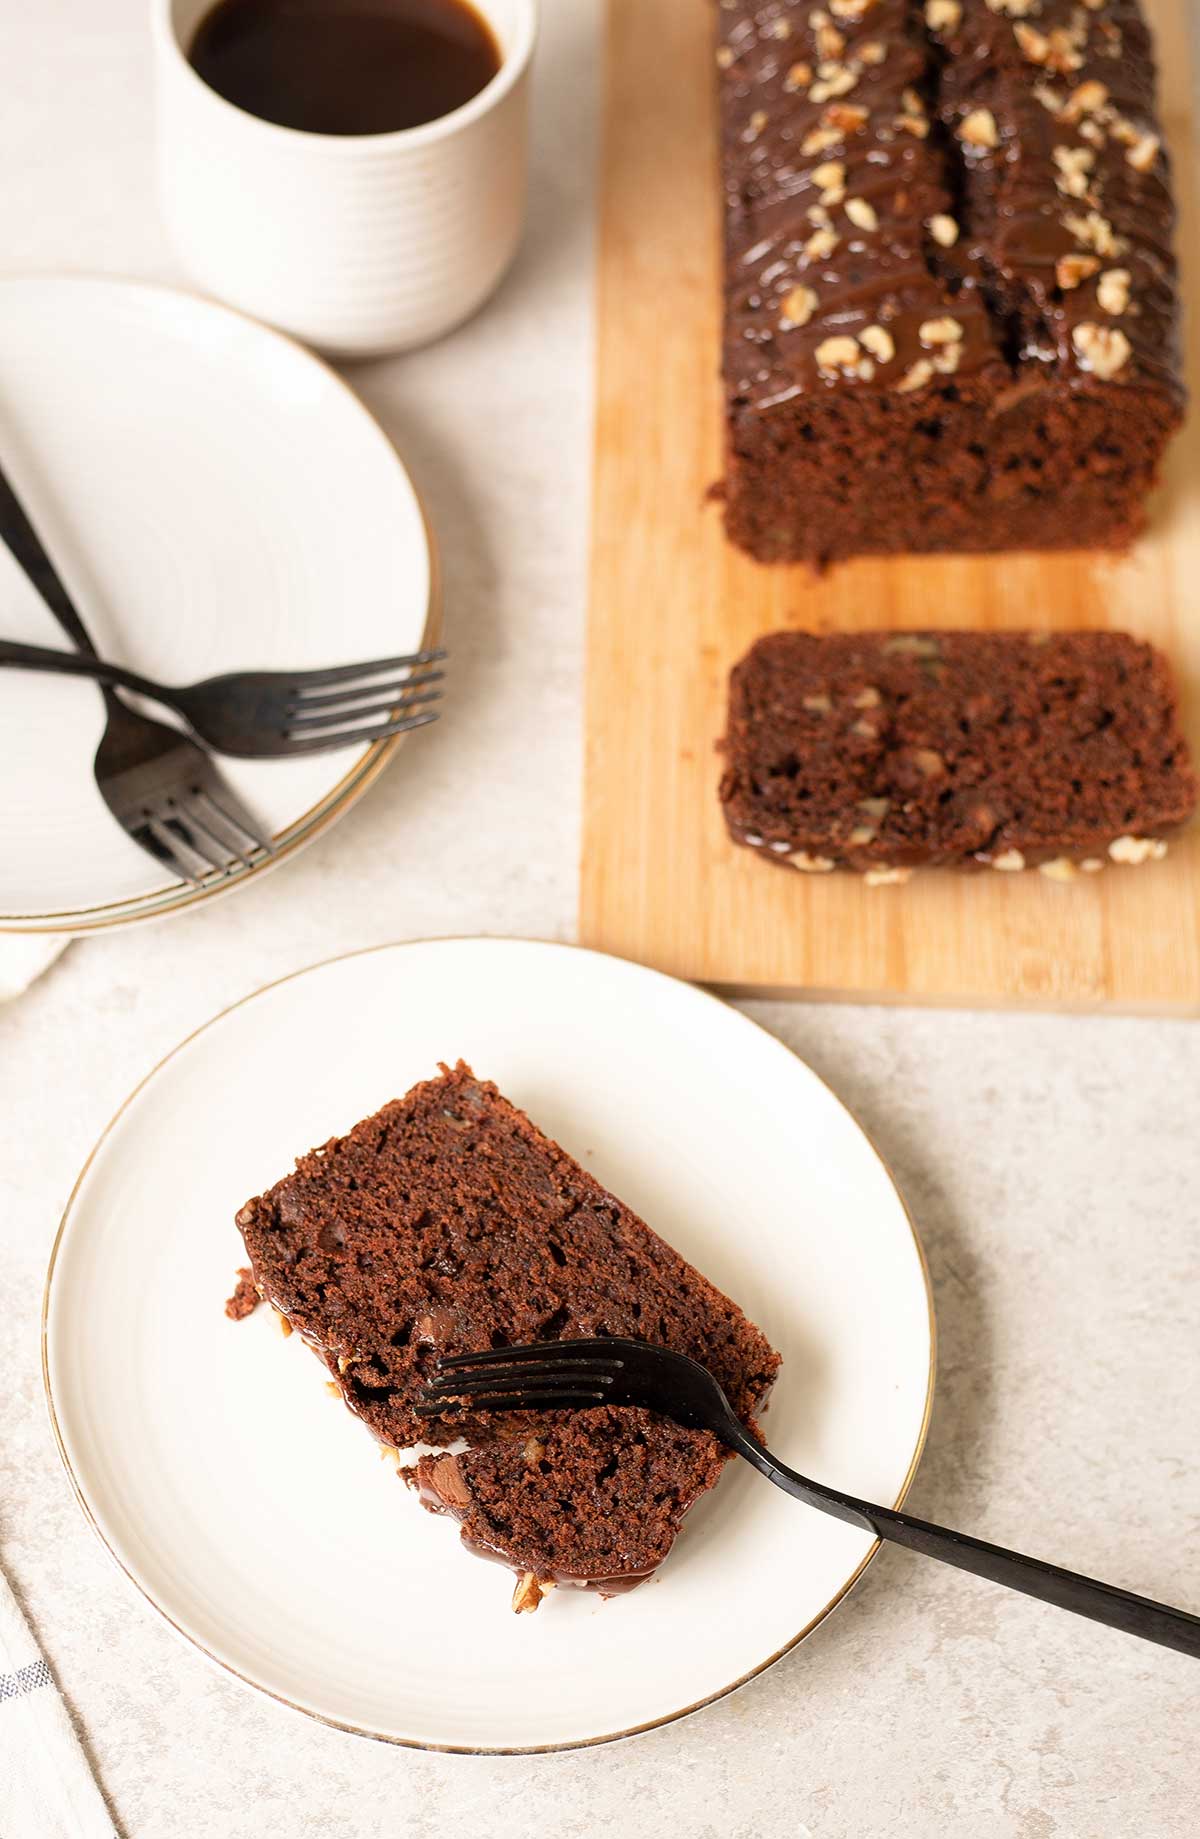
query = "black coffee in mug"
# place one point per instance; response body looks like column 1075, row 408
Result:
column 345, row 66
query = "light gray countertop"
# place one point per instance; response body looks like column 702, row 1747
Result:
column 1052, row 1165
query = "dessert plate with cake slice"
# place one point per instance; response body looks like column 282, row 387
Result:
column 513, row 1140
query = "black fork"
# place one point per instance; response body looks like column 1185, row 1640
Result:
column 558, row 1375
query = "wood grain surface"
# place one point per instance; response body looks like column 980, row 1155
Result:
column 673, row 606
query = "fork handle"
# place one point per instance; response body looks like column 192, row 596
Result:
column 18, row 656
column 29, row 550
column 1049, row 1583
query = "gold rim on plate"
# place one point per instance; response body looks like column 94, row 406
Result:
column 160, row 902
column 413, row 1743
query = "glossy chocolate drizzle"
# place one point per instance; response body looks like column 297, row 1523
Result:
column 1060, row 83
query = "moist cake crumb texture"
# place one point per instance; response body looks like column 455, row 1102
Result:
column 448, row 1223
column 883, row 752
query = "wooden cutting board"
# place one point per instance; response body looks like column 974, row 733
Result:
column 673, row 607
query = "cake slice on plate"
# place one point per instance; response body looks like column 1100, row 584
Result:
column 448, row 1223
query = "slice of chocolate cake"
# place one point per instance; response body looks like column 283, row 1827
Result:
column 886, row 751
column 447, row 1223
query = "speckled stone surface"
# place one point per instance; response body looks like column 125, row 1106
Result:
column 1053, row 1166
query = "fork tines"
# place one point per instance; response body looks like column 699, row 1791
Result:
column 370, row 701
column 549, row 1374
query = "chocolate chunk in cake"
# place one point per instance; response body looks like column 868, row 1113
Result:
column 885, row 751
column 951, row 313
column 447, row 1223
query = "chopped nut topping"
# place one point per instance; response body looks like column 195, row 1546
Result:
column 1100, row 349
column 945, row 331
column 758, row 121
column 1059, row 868
column 916, row 376
column 1074, row 164
column 887, row 877
column 798, row 77
column 880, row 343
column 1034, row 44
column 1091, row 865
column 817, row 214
column 1063, row 56
column 862, row 214
column 1016, row 9
column 865, row 730
column 1094, row 232
column 535, row 1450
column 1137, row 849
column 1142, row 156
column 875, row 807
column 943, row 229
column 1048, row 97
column 797, row 307
column 943, row 15
column 912, row 124
column 820, row 140
column 781, row 28
column 1086, row 100
column 830, row 43
column 947, row 360
column 724, row 57
column 820, row 704
column 1112, row 291
column 821, row 244
column 913, row 645
column 335, row 1391
column 1008, row 861
column 285, row 1329
column 811, row 865
column 831, row 177
column 853, row 10
column 528, row 1593
column 861, row 833
column 873, row 52
column 1072, row 270
column 1092, row 132
column 846, row 117
column 840, row 81
column 868, row 698
column 838, row 354
column 978, row 129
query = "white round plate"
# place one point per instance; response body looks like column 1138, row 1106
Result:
column 253, row 1511
column 216, row 499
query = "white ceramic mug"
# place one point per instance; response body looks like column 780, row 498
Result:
column 358, row 244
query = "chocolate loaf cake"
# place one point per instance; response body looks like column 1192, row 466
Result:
column 951, row 309
column 447, row 1223
column 887, row 751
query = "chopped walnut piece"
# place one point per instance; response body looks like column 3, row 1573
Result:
column 1137, row 849
column 1094, row 232
column 820, row 704
column 868, row 698
column 830, row 176
column 947, row 360
column 887, row 877
column 838, row 354
column 1072, row 270
column 528, row 1593
column 781, row 28
column 875, row 807
column 1091, row 865
column 797, row 307
column 1049, row 98
column 1034, row 44
column 724, row 57
column 912, row 124
column 811, row 865
column 821, row 244
column 830, row 43
column 1016, row 9
column 862, row 214
column 818, row 215
column 879, row 342
column 944, row 331
column 820, row 140
column 839, row 82
column 928, row 762
column 1143, row 154
column 1059, row 868
column 798, row 77
column 1008, row 861
column 916, row 376
column 1092, row 132
column 852, row 10
column 1112, row 291
column 861, row 834
column 873, row 52
column 1074, row 164
column 1103, row 350
column 1086, row 100
column 943, row 229
column 943, row 15
column 846, row 117
column 978, row 129
column 1063, row 55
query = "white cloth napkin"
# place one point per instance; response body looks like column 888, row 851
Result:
column 46, row 1788
column 22, row 959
